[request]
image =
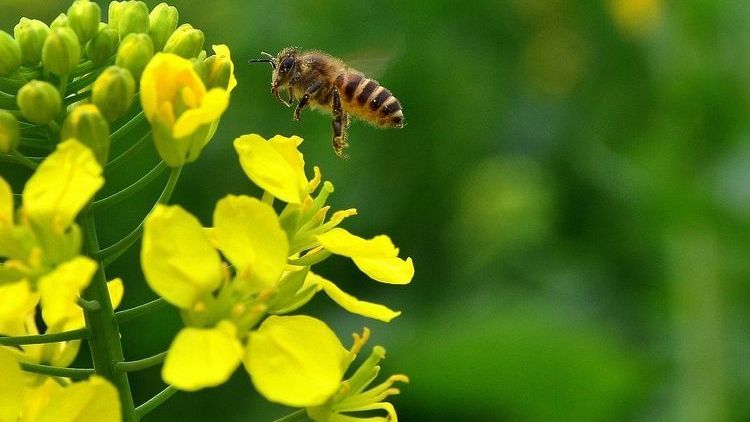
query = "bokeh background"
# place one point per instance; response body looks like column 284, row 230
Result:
column 572, row 185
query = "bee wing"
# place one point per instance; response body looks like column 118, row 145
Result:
column 373, row 62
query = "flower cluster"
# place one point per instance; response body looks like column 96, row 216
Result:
column 78, row 98
column 293, row 360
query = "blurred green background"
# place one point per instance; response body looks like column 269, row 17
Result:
column 572, row 185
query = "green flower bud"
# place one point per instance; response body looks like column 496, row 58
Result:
column 10, row 54
column 61, row 52
column 39, row 102
column 30, row 34
column 218, row 72
column 84, row 17
column 113, row 13
column 103, row 45
column 199, row 65
column 10, row 132
column 132, row 17
column 87, row 124
column 113, row 92
column 134, row 53
column 60, row 20
column 162, row 23
column 186, row 41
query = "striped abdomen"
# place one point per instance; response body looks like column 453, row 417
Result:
column 367, row 99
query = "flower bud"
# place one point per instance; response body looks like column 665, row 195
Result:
column 132, row 17
column 60, row 20
column 83, row 18
column 185, row 42
column 30, row 34
column 39, row 102
column 134, row 53
column 61, row 52
column 219, row 71
column 199, row 65
column 10, row 132
column 113, row 13
column 162, row 23
column 10, row 54
column 113, row 92
column 87, row 124
column 103, row 45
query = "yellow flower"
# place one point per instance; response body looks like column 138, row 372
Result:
column 351, row 395
column 178, row 260
column 295, row 360
column 182, row 113
column 275, row 165
column 349, row 302
column 376, row 257
column 93, row 399
column 220, row 69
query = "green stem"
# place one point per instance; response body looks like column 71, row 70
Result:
column 296, row 416
column 70, row 99
column 122, row 130
column 111, row 253
column 78, row 334
column 57, row 371
column 105, row 346
column 89, row 305
column 130, row 190
column 155, row 401
column 22, row 160
column 113, row 163
column 139, row 310
column 140, row 364
column 84, row 80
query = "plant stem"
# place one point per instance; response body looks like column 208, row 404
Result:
column 139, row 310
column 113, row 163
column 130, row 190
column 122, row 130
column 57, row 371
column 296, row 416
column 104, row 344
column 155, row 401
column 137, row 365
column 78, row 334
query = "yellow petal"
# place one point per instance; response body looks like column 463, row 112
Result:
column 178, row 260
column 60, row 288
column 267, row 165
column 250, row 237
column 38, row 397
column 116, row 290
column 11, row 386
column 202, row 357
column 387, row 270
column 341, row 242
column 163, row 78
column 295, row 360
column 213, row 105
column 351, row 303
column 17, row 301
column 92, row 400
column 62, row 184
column 6, row 205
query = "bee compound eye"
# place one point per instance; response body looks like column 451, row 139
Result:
column 286, row 64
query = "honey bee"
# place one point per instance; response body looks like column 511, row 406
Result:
column 328, row 84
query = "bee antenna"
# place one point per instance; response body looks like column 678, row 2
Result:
column 270, row 60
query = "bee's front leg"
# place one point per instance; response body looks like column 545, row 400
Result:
column 311, row 90
column 340, row 122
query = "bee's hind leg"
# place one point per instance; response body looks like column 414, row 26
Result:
column 340, row 123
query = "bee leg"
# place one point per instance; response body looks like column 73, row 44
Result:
column 312, row 89
column 340, row 122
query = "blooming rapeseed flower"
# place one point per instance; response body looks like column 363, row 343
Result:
column 182, row 113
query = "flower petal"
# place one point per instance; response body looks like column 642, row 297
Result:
column 177, row 258
column 11, row 386
column 267, row 165
column 351, row 303
column 202, row 357
column 248, row 233
column 62, row 184
column 6, row 205
column 214, row 103
column 341, row 242
column 387, row 270
column 92, row 400
column 295, row 360
column 60, row 288
column 17, row 302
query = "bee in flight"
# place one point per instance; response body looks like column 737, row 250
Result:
column 326, row 83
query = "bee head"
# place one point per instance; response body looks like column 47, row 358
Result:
column 284, row 66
